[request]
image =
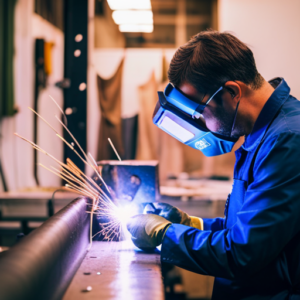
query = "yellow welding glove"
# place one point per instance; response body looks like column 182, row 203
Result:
column 173, row 214
column 147, row 231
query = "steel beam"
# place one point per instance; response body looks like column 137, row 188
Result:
column 42, row 264
column 75, row 97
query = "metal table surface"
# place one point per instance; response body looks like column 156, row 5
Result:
column 116, row 270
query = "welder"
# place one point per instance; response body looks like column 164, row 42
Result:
column 215, row 96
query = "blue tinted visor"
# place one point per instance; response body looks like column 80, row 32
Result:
column 189, row 131
column 179, row 100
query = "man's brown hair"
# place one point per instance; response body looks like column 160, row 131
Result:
column 212, row 58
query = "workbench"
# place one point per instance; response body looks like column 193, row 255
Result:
column 55, row 261
column 117, row 270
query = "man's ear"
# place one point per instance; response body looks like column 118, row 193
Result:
column 234, row 90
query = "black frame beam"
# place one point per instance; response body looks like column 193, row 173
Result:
column 75, row 97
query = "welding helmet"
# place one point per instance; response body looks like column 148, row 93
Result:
column 182, row 118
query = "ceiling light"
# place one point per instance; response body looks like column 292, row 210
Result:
column 136, row 28
column 133, row 17
column 129, row 4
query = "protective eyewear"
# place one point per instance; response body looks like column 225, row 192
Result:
column 176, row 116
column 192, row 108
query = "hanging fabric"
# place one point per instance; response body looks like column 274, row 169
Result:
column 138, row 66
column 129, row 136
column 171, row 151
column 153, row 143
column 109, row 93
column 148, row 133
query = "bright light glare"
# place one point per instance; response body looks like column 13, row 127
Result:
column 135, row 28
column 129, row 4
column 113, row 219
column 78, row 38
column 176, row 130
column 82, row 86
column 133, row 17
column 124, row 213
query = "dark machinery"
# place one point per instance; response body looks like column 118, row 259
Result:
column 132, row 180
column 46, row 258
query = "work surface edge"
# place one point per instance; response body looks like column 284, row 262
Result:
column 117, row 270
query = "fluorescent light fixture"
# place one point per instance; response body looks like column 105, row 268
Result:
column 129, row 4
column 135, row 28
column 176, row 130
column 133, row 17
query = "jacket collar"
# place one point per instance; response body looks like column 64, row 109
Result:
column 269, row 111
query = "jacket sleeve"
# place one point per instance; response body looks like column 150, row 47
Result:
column 215, row 224
column 267, row 221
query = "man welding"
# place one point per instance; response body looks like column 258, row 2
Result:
column 215, row 96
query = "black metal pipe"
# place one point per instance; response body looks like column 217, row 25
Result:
column 42, row 264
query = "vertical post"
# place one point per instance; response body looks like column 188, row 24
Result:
column 40, row 83
column 214, row 21
column 75, row 97
column 180, row 30
column 92, row 99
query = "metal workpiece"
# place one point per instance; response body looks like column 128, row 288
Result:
column 132, row 180
column 42, row 264
column 117, row 270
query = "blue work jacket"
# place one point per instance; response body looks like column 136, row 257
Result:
column 254, row 251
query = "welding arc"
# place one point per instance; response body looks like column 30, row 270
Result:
column 87, row 193
column 35, row 146
column 75, row 168
column 81, row 184
column 65, row 117
column 96, row 166
column 69, row 145
column 115, row 150
column 78, row 172
column 110, row 230
column 42, row 119
column 86, row 161
column 88, row 188
column 84, row 192
column 69, row 132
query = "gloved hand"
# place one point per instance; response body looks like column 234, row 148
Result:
column 147, row 230
column 173, row 214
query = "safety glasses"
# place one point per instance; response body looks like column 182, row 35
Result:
column 190, row 107
column 181, row 118
column 175, row 122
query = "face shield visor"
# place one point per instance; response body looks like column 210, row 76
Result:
column 182, row 118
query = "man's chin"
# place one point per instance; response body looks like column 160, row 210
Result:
column 224, row 132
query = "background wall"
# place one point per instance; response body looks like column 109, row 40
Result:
column 271, row 29
column 108, row 34
column 16, row 155
column 139, row 64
